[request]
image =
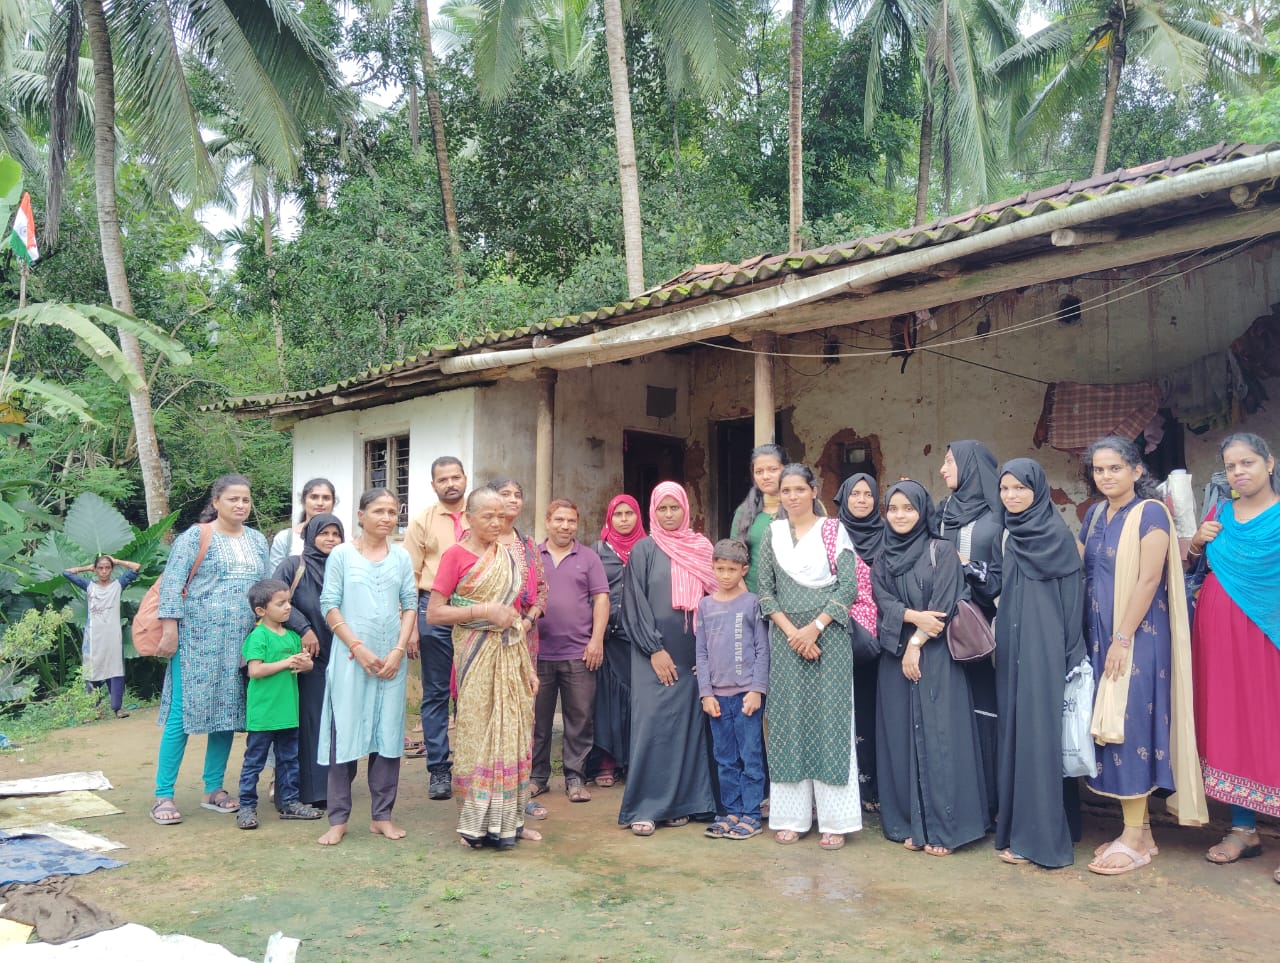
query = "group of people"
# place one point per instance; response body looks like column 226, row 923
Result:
column 669, row 656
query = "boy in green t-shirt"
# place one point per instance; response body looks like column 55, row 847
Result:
column 273, row 654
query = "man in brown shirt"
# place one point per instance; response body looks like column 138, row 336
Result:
column 429, row 535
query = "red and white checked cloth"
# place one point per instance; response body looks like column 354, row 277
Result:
column 1084, row 413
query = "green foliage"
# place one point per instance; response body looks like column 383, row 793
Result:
column 22, row 646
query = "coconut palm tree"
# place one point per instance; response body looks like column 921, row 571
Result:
column 1083, row 52
column 281, row 81
column 698, row 40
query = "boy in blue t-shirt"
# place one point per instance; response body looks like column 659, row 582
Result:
column 273, row 655
column 732, row 645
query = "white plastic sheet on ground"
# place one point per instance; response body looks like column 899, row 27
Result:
column 89, row 842
column 130, row 943
column 57, row 782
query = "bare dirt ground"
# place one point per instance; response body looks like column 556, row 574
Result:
column 592, row 891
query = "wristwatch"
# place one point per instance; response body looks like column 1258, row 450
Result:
column 817, row 624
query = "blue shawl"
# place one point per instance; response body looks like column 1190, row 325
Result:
column 1246, row 560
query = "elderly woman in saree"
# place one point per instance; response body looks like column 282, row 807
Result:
column 1039, row 640
column 370, row 604
column 305, row 574
column 205, row 614
column 1138, row 641
column 858, row 509
column 969, row 518
column 808, row 580
column 621, row 531
column 477, row 588
column 670, row 571
column 1236, row 647
column 932, row 794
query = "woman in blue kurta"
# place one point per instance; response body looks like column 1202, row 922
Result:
column 369, row 601
column 207, row 621
column 1140, row 629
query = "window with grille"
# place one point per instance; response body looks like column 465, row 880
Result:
column 386, row 465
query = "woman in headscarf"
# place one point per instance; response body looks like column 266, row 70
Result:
column 621, row 531
column 808, row 580
column 752, row 518
column 321, row 535
column 669, row 779
column 1039, row 640
column 1236, row 647
column 858, row 504
column 970, row 519
column 1139, row 643
column 932, row 795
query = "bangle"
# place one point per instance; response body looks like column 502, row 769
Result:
column 1192, row 553
column 337, row 625
column 398, row 648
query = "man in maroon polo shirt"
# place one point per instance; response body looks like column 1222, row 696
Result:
column 571, row 648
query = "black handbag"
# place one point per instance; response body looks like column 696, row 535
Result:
column 970, row 636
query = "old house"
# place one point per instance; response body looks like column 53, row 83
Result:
column 1158, row 285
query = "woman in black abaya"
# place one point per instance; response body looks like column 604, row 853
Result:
column 932, row 795
column 1039, row 639
column 321, row 535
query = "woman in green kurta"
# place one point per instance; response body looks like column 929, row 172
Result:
column 808, row 580
column 752, row 518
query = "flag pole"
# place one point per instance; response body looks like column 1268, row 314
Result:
column 13, row 335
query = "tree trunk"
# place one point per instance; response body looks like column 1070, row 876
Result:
column 926, row 160
column 415, row 139
column 795, row 133
column 435, row 116
column 63, row 80
column 104, row 176
column 1115, row 63
column 273, row 297
column 628, row 173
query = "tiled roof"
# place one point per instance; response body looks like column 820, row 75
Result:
column 706, row 280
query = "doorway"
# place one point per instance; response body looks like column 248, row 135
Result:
column 648, row 459
column 735, row 437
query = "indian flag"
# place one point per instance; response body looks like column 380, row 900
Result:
column 22, row 239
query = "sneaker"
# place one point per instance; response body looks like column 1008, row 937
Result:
column 440, row 785
column 299, row 810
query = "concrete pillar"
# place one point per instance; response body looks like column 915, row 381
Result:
column 543, row 450
column 762, row 344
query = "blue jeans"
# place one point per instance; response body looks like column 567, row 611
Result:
column 436, row 664
column 256, row 747
column 737, row 742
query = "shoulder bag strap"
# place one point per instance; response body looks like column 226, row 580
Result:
column 297, row 576
column 206, row 537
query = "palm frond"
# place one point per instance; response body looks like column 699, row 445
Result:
column 706, row 32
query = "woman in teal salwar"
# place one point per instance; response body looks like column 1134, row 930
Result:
column 370, row 602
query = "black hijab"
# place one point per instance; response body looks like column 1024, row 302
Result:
column 977, row 485
column 867, row 533
column 900, row 552
column 1039, row 541
column 306, row 596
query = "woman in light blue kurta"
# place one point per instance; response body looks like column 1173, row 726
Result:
column 370, row 601
column 209, row 619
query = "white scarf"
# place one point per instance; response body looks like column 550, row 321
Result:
column 806, row 560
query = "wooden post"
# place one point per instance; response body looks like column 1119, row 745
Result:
column 544, row 450
column 763, row 344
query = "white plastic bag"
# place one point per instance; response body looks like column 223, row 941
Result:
column 1078, row 757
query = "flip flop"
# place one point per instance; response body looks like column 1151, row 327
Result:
column 1102, row 848
column 606, row 779
column 676, row 823
column 788, row 837
column 221, row 802
column 932, row 850
column 165, row 806
column 1136, row 860
column 832, row 841
column 1012, row 858
column 643, row 827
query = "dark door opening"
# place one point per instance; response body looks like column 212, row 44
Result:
column 648, row 459
column 735, row 437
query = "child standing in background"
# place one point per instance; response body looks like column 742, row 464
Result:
column 732, row 644
column 273, row 654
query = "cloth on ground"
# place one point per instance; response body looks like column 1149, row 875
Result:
column 59, row 806
column 57, row 914
column 1078, row 415
column 27, row 858
column 131, row 942
column 58, row 782
column 88, row 842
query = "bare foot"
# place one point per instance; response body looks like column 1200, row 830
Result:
column 334, row 835
column 532, row 835
column 385, row 827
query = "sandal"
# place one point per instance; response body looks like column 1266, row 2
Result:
column 1234, row 846
column 1276, row 875
column 643, row 827
column 220, row 802
column 832, row 841
column 910, row 844
column 676, row 823
column 745, row 828
column 933, row 850
column 535, row 810
column 1012, row 858
column 577, row 792
column 721, row 827
column 299, row 810
column 165, row 813
column 606, row 779
column 870, row 806
column 536, row 789
column 247, row 818
column 1136, row 860
column 787, row 837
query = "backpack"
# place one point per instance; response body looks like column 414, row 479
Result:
column 148, row 633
